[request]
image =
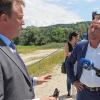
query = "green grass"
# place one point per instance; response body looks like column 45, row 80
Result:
column 28, row 49
column 46, row 65
column 52, row 45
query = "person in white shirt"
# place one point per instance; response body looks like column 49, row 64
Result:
column 87, row 55
column 15, row 82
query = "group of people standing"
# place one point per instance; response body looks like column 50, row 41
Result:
column 15, row 82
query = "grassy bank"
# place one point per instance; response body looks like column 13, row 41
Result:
column 28, row 49
column 46, row 65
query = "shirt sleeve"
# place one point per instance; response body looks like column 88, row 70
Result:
column 34, row 81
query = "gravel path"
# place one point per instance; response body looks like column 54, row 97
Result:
column 58, row 81
column 37, row 55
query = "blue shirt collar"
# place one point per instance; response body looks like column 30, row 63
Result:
column 5, row 39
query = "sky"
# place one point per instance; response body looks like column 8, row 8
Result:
column 49, row 12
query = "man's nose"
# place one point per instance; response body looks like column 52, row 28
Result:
column 23, row 23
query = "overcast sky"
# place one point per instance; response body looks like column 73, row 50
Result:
column 50, row 12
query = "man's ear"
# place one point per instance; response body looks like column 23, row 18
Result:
column 4, row 18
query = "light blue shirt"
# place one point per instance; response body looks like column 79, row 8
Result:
column 5, row 40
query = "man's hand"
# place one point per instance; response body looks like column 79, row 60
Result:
column 49, row 98
column 43, row 79
column 78, row 85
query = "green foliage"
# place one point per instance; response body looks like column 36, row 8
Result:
column 26, row 49
column 40, row 39
column 28, row 36
column 55, row 33
column 58, row 35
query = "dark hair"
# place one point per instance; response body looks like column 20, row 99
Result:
column 6, row 6
column 73, row 34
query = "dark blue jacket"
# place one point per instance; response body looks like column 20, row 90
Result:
column 78, row 53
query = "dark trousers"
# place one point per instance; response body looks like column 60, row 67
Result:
column 68, row 85
column 86, row 94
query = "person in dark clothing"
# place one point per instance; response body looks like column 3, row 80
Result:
column 73, row 38
column 87, row 55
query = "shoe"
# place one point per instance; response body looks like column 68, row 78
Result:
column 69, row 96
